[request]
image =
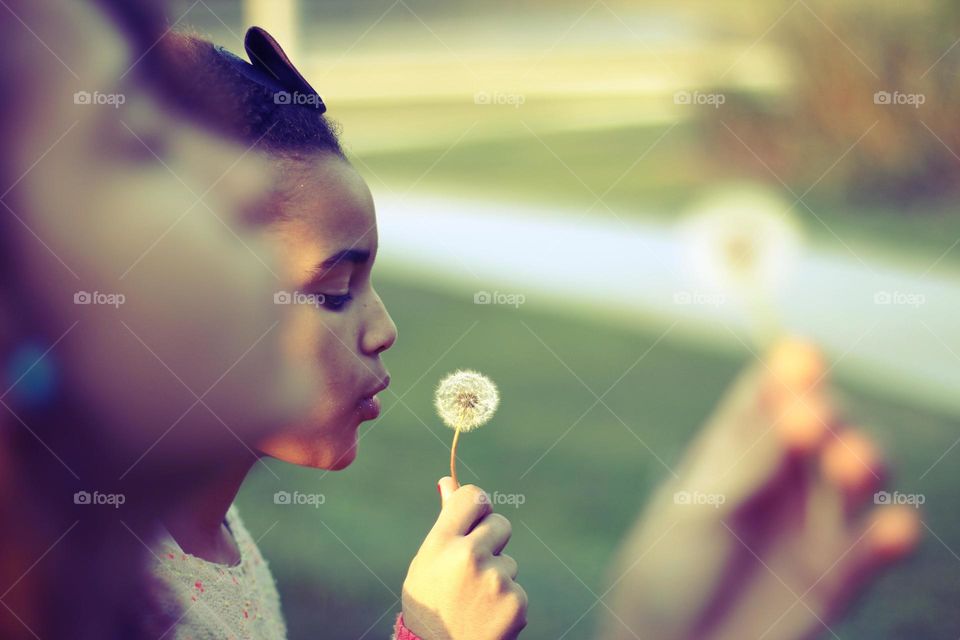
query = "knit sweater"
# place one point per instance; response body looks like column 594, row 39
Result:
column 211, row 601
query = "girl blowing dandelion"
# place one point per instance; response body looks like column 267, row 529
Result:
column 322, row 223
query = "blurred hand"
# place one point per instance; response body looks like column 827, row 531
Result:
column 459, row 586
column 769, row 528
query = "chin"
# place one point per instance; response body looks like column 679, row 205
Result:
column 326, row 454
column 345, row 459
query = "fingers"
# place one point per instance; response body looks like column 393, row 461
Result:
column 853, row 467
column 793, row 394
column 516, row 610
column 892, row 532
column 787, row 384
column 852, row 463
column 519, row 597
column 446, row 486
column 888, row 534
column 772, row 411
column 506, row 565
column 804, row 423
column 796, row 367
column 458, row 573
column 492, row 533
column 462, row 508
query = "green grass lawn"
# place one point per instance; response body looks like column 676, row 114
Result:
column 340, row 566
column 639, row 171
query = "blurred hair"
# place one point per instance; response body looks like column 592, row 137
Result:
column 141, row 21
column 94, row 580
column 65, row 571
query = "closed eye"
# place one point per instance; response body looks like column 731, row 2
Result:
column 333, row 302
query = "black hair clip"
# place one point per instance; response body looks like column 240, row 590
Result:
column 269, row 66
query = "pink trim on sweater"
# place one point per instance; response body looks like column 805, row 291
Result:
column 400, row 632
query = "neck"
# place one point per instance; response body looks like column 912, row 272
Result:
column 197, row 522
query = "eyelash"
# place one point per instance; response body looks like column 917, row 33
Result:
column 336, row 302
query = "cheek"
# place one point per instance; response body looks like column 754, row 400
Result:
column 321, row 341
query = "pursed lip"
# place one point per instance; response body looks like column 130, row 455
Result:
column 369, row 405
column 380, row 387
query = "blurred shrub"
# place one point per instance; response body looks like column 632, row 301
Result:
column 840, row 56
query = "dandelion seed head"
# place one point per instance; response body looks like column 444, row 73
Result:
column 466, row 399
column 741, row 237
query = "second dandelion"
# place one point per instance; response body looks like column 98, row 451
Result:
column 464, row 401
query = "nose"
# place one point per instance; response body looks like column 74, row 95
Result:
column 380, row 332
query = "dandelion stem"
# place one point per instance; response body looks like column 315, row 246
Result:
column 453, row 458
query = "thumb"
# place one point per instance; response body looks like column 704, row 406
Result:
column 446, row 487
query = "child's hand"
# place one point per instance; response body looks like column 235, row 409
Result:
column 459, row 586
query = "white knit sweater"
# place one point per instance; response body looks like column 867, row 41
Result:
column 211, row 601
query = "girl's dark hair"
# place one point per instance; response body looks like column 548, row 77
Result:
column 221, row 98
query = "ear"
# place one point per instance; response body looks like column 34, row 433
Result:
column 266, row 55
